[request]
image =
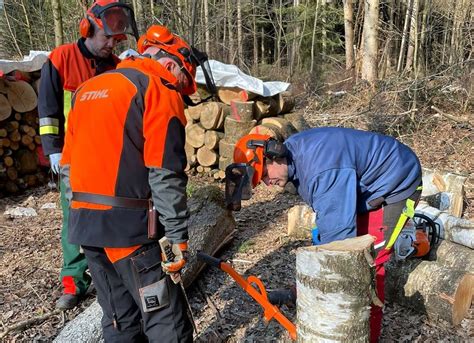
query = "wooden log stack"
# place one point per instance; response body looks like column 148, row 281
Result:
column 19, row 136
column 213, row 128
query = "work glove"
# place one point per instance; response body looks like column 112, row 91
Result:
column 180, row 252
column 54, row 162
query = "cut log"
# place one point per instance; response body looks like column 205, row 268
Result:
column 12, row 125
column 453, row 255
column 207, row 157
column 14, row 145
column 38, row 140
column 11, row 187
column 428, row 287
column 301, row 219
column 219, row 175
column 268, row 129
column 3, row 86
column 3, row 133
column 28, row 161
column 8, row 161
column 21, row 96
column 30, row 118
column 242, row 110
column 297, row 120
column 26, row 140
column 15, row 136
column 265, row 107
column 189, row 149
column 213, row 115
column 5, row 108
column 12, row 173
column 210, row 227
column 195, row 111
column 234, row 129
column 17, row 116
column 224, row 162
column 285, row 101
column 226, row 148
column 212, row 138
column 200, row 169
column 333, row 300
column 195, row 135
column 284, row 126
column 227, row 94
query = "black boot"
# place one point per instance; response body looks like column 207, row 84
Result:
column 67, row 301
column 282, row 296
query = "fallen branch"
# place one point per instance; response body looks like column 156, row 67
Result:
column 461, row 120
column 25, row 323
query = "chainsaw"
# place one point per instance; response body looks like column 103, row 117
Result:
column 417, row 238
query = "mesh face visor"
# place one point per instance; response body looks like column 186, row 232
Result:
column 238, row 185
column 118, row 19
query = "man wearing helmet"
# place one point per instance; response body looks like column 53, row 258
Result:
column 357, row 182
column 106, row 23
column 132, row 118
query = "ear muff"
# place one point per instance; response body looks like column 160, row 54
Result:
column 274, row 149
column 86, row 29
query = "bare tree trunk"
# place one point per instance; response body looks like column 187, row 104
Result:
column 349, row 33
column 15, row 42
column 298, row 64
column 231, row 33
column 370, row 48
column 27, row 23
column 324, row 33
column 239, row 34
column 278, row 36
column 206, row 26
column 313, row 37
column 255, row 38
column 58, row 22
column 404, row 36
column 412, row 46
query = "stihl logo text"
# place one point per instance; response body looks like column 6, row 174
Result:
column 93, row 95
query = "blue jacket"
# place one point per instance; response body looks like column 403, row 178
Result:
column 340, row 171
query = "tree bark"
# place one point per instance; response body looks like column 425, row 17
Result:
column 404, row 35
column 242, row 110
column 413, row 41
column 285, row 128
column 226, row 148
column 349, row 33
column 234, row 129
column 430, row 288
column 453, row 255
column 58, row 22
column 333, row 300
column 370, row 48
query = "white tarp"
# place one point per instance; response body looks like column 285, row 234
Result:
column 229, row 75
column 34, row 61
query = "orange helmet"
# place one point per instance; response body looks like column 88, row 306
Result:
column 112, row 16
column 252, row 154
column 162, row 38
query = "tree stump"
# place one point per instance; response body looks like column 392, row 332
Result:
column 242, row 110
column 428, row 287
column 234, row 129
column 301, row 219
column 333, row 286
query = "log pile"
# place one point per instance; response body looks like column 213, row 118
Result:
column 19, row 136
column 213, row 128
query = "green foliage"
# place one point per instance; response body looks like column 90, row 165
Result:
column 246, row 246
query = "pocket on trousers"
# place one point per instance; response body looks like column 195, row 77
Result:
column 155, row 296
column 150, row 280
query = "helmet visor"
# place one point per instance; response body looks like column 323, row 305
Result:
column 238, row 185
column 118, row 20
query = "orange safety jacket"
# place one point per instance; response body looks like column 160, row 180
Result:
column 67, row 67
column 125, row 138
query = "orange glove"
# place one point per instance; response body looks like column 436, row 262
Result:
column 180, row 252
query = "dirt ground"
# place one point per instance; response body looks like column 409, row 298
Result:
column 30, row 254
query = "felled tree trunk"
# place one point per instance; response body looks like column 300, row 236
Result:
column 210, row 226
column 453, row 255
column 333, row 282
column 430, row 288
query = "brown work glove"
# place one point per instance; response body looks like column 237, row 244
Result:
column 180, row 250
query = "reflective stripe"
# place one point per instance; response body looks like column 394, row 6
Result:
column 408, row 212
column 49, row 130
column 376, row 246
column 49, row 122
column 67, row 103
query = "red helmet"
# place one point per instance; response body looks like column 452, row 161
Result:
column 162, row 38
column 251, row 155
column 112, row 16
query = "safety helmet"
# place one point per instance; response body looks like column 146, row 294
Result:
column 114, row 17
column 253, row 155
column 162, row 38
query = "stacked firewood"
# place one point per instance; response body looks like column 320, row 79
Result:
column 214, row 128
column 19, row 137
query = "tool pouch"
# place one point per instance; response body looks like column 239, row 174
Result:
column 152, row 221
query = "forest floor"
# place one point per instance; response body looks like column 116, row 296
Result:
column 30, row 253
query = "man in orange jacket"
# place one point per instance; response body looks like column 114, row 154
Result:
column 125, row 145
column 69, row 65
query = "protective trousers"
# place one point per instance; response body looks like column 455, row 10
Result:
column 381, row 223
column 74, row 278
column 139, row 301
